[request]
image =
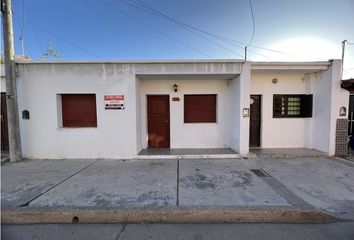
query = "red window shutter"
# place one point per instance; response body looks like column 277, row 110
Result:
column 79, row 110
column 200, row 108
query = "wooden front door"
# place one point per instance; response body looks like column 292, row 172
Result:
column 255, row 121
column 4, row 129
column 158, row 111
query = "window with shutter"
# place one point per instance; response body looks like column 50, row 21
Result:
column 307, row 105
column 79, row 110
column 292, row 106
column 200, row 108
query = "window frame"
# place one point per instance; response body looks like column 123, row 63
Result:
column 65, row 122
column 306, row 105
column 185, row 116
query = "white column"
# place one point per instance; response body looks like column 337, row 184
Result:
column 339, row 98
column 241, row 100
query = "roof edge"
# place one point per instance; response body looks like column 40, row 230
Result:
column 305, row 63
column 134, row 61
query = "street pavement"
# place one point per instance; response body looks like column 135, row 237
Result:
column 270, row 231
column 319, row 183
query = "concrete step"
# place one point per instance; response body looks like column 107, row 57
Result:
column 189, row 156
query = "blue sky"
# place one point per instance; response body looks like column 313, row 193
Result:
column 113, row 29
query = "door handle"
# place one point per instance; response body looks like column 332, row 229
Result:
column 166, row 121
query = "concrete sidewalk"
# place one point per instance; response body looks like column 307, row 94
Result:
column 291, row 190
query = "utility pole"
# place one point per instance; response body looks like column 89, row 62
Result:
column 246, row 53
column 343, row 53
column 10, row 76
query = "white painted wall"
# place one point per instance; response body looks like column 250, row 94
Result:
column 190, row 135
column 240, row 88
column 281, row 132
column 122, row 133
column 42, row 136
column 119, row 132
column 317, row 132
column 329, row 98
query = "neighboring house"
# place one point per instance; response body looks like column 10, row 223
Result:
column 78, row 109
column 348, row 84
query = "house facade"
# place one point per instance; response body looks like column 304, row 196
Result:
column 116, row 109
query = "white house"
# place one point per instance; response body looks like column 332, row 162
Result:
column 115, row 109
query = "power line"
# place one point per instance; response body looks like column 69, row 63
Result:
column 23, row 25
column 20, row 37
column 34, row 31
column 23, row 17
column 60, row 38
column 107, row 23
column 152, row 11
column 188, row 29
column 144, row 7
column 253, row 24
column 156, row 30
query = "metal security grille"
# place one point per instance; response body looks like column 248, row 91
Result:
column 341, row 137
column 294, row 106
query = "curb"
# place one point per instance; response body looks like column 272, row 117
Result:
column 164, row 216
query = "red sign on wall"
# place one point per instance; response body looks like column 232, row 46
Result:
column 114, row 102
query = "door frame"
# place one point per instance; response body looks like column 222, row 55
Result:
column 169, row 118
column 260, row 121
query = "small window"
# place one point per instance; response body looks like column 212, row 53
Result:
column 200, row 108
column 79, row 110
column 292, row 106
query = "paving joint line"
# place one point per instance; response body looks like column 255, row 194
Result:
column 67, row 178
column 177, row 190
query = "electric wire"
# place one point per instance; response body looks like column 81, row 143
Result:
column 21, row 27
column 156, row 13
column 156, row 30
column 23, row 17
column 104, row 21
column 239, row 44
column 35, row 33
column 159, row 14
column 59, row 38
column 253, row 24
column 144, row 7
